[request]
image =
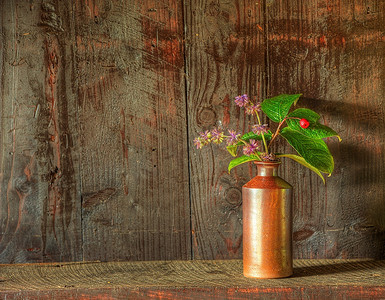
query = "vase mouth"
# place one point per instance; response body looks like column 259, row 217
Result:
column 268, row 163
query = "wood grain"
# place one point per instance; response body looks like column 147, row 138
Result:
column 333, row 53
column 130, row 90
column 39, row 189
column 101, row 100
column 312, row 279
column 225, row 57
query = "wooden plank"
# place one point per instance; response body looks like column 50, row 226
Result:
column 130, row 88
column 333, row 53
column 225, row 57
column 39, row 187
column 314, row 293
column 93, row 97
column 221, row 279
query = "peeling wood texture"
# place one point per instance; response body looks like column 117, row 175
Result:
column 101, row 100
column 312, row 279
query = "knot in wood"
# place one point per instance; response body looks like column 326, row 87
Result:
column 233, row 196
column 206, row 117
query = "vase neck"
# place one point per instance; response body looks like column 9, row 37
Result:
column 267, row 168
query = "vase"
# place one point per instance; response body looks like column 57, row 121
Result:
column 267, row 224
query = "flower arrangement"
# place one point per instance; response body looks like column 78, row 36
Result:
column 300, row 128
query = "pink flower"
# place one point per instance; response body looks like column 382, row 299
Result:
column 253, row 108
column 250, row 148
column 205, row 137
column 198, row 143
column 259, row 129
column 233, row 138
column 217, row 136
column 242, row 100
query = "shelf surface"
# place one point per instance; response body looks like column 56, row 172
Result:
column 221, row 279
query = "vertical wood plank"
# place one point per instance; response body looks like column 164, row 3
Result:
column 225, row 57
column 134, row 167
column 39, row 190
column 94, row 132
column 333, row 53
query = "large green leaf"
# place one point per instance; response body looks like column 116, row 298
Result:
column 241, row 160
column 251, row 135
column 278, row 107
column 303, row 162
column 306, row 113
column 314, row 151
column 315, row 129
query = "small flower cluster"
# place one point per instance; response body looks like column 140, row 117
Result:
column 233, row 138
column 242, row 101
column 251, row 146
column 250, row 107
column 259, row 129
column 216, row 136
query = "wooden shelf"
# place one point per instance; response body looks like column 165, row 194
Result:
column 221, row 279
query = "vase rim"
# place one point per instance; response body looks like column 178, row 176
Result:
column 267, row 163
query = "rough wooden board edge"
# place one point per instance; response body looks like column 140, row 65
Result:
column 341, row 292
column 155, row 276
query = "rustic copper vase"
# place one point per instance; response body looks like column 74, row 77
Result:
column 267, row 224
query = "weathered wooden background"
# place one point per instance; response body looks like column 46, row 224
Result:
column 101, row 99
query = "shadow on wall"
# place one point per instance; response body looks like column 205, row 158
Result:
column 360, row 168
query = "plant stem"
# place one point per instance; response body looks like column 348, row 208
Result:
column 277, row 131
column 257, row 155
column 243, row 141
column 263, row 135
column 279, row 126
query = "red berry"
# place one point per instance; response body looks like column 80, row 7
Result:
column 304, row 123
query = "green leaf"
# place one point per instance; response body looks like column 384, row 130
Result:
column 303, row 162
column 315, row 129
column 232, row 150
column 278, row 107
column 251, row 135
column 314, row 151
column 242, row 159
column 308, row 114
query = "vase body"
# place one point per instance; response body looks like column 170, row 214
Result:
column 267, row 224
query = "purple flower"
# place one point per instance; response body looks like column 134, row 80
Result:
column 253, row 108
column 242, row 100
column 233, row 138
column 205, row 137
column 258, row 129
column 250, row 148
column 198, row 143
column 217, row 136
